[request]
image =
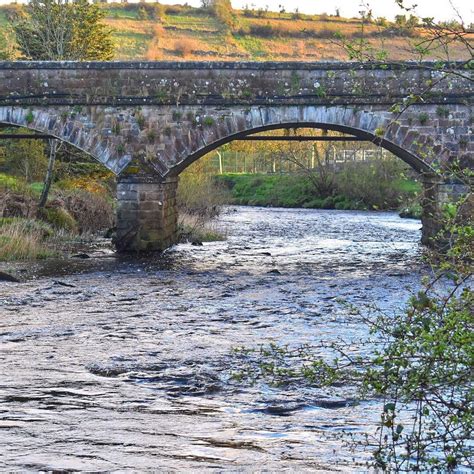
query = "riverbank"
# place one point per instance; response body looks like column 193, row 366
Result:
column 71, row 216
column 299, row 191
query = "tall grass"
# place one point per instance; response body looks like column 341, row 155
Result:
column 24, row 239
column 199, row 200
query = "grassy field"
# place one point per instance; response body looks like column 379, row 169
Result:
column 3, row 28
column 186, row 33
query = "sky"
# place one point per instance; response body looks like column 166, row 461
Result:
column 439, row 9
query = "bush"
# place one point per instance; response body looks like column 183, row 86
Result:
column 12, row 183
column 199, row 200
column 192, row 229
column 356, row 182
column 222, row 10
column 185, row 46
column 412, row 211
column 58, row 217
column 91, row 212
column 316, row 203
column 328, row 203
column 176, row 9
column 199, row 194
column 17, row 204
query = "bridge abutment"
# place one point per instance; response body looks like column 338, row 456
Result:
column 436, row 195
column 147, row 219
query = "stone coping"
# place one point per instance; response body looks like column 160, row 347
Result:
column 244, row 65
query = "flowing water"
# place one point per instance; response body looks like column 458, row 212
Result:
column 124, row 364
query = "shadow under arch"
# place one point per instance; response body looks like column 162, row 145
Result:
column 412, row 160
column 5, row 124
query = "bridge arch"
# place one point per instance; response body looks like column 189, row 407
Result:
column 41, row 134
column 79, row 130
column 408, row 157
column 420, row 147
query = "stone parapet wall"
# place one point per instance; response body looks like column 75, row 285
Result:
column 161, row 116
column 224, row 83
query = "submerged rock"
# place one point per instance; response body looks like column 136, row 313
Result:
column 63, row 283
column 81, row 255
column 7, row 277
column 275, row 271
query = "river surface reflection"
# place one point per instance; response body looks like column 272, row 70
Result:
column 123, row 364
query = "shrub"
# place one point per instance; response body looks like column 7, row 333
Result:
column 142, row 14
column 266, row 30
column 58, row 217
column 91, row 212
column 328, row 203
column 356, row 182
column 222, row 10
column 192, row 229
column 199, row 194
column 175, row 9
column 156, row 11
column 185, row 46
column 199, row 200
column 17, row 204
column 316, row 203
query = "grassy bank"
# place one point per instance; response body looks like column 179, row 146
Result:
column 299, row 191
column 71, row 215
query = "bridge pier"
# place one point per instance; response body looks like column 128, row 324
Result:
column 147, row 218
column 436, row 194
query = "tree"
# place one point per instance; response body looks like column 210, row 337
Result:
column 222, row 10
column 62, row 30
column 49, row 173
column 158, row 12
column 24, row 158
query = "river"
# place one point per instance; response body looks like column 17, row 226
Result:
column 115, row 363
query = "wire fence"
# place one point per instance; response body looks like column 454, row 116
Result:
column 222, row 162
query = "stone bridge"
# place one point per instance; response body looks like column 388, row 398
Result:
column 148, row 121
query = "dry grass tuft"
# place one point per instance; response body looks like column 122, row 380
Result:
column 184, row 47
column 192, row 228
column 23, row 239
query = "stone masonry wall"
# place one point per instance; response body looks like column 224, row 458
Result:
column 146, row 214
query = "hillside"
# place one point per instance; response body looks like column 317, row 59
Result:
column 162, row 32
